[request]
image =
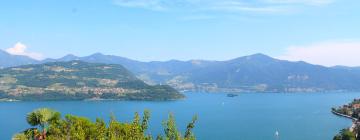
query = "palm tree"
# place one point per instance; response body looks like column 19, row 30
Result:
column 42, row 117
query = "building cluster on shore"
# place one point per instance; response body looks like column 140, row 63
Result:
column 351, row 111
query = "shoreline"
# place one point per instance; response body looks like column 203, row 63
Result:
column 354, row 120
column 9, row 100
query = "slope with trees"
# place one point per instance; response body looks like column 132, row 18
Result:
column 77, row 80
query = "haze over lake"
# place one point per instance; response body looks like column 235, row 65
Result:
column 250, row 116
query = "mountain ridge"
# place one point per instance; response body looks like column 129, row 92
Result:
column 253, row 73
column 70, row 57
column 8, row 60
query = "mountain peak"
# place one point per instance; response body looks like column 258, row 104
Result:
column 68, row 57
column 255, row 57
column 2, row 52
column 97, row 54
column 259, row 55
column 8, row 60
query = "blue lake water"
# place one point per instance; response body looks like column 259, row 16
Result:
column 248, row 116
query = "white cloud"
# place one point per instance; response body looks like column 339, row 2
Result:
column 221, row 5
column 197, row 17
column 304, row 2
column 330, row 53
column 238, row 6
column 21, row 49
column 156, row 5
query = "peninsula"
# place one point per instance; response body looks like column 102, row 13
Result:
column 77, row 80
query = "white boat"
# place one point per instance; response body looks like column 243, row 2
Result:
column 277, row 134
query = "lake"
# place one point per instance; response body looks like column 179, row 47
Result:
column 249, row 116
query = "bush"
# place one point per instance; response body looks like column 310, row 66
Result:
column 49, row 124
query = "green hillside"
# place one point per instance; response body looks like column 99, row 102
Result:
column 77, row 80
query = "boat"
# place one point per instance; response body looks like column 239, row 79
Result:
column 277, row 134
column 232, row 95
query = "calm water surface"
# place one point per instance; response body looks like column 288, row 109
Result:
column 246, row 117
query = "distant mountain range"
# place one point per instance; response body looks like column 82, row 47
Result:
column 78, row 80
column 8, row 60
column 254, row 73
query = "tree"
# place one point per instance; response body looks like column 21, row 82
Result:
column 99, row 131
column 189, row 135
column 81, row 128
column 42, row 117
column 171, row 131
column 40, row 120
column 337, row 137
column 345, row 134
column 145, row 121
column 20, row 136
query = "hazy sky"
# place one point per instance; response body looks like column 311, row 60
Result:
column 323, row 32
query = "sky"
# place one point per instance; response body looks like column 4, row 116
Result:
column 325, row 32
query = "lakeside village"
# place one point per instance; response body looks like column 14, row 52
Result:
column 351, row 111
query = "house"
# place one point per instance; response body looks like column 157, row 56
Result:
column 356, row 106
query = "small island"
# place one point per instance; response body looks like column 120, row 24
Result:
column 77, row 80
column 351, row 111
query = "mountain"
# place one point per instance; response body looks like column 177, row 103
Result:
column 8, row 60
column 253, row 73
column 346, row 68
column 78, row 80
column 69, row 57
column 153, row 72
column 99, row 58
column 262, row 73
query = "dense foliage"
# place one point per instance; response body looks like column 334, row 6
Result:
column 48, row 124
column 77, row 80
column 345, row 134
